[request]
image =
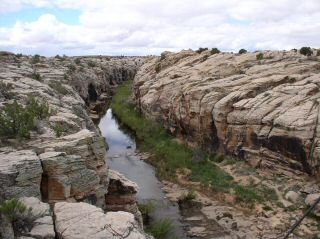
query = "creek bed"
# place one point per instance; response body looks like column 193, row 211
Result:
column 123, row 158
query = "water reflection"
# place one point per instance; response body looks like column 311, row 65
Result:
column 122, row 157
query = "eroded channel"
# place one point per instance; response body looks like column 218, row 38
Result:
column 122, row 157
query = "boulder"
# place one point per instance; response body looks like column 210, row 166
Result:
column 81, row 220
column 292, row 196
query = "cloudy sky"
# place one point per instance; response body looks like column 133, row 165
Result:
column 143, row 27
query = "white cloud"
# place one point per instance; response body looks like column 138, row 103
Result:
column 151, row 26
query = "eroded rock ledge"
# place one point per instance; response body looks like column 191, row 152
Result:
column 265, row 111
column 66, row 168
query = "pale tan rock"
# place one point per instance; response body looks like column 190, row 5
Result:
column 239, row 105
column 81, row 220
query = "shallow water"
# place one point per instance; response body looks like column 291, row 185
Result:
column 122, row 157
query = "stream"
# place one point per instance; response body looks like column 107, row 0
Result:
column 122, row 157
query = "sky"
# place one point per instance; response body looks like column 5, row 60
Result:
column 148, row 27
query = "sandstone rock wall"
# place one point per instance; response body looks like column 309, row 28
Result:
column 265, row 111
column 65, row 163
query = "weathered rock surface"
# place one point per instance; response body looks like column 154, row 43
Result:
column 65, row 157
column 81, row 220
column 266, row 111
column 20, row 174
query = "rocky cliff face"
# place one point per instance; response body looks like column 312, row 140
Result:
column 265, row 111
column 65, row 157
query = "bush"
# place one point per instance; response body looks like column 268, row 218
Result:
column 36, row 76
column 307, row 51
column 59, row 88
column 318, row 52
column 161, row 229
column 20, row 217
column 187, row 197
column 12, row 208
column 158, row 68
column 5, row 90
column 201, row 50
column 19, row 55
column 242, row 51
column 92, row 64
column 35, row 59
column 163, row 56
column 18, row 121
column 77, row 61
column 215, row 51
column 259, row 56
column 58, row 129
column 146, row 209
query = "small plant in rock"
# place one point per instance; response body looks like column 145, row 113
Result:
column 58, row 129
column 18, row 215
column 92, row 64
column 77, row 61
column 12, row 208
column 162, row 56
column 242, row 51
column 307, row 51
column 40, row 109
column 72, row 68
column 187, row 197
column 35, row 59
column 146, row 209
column 259, row 56
column 6, row 90
column 158, row 68
column 58, row 87
column 36, row 76
column 19, row 55
column 214, row 51
column 201, row 49
column 161, row 229
column 16, row 121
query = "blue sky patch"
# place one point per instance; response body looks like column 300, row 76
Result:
column 68, row 16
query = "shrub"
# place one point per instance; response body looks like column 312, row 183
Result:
column 5, row 90
column 36, row 76
column 92, row 64
column 242, row 51
column 161, row 228
column 58, row 129
column 215, row 51
column 40, row 109
column 158, row 68
column 318, row 52
column 12, row 208
column 146, row 209
column 19, row 55
column 259, row 56
column 201, row 50
column 35, row 59
column 163, row 56
column 72, row 68
column 18, row 121
column 59, row 88
column 307, row 51
column 77, row 61
column 189, row 196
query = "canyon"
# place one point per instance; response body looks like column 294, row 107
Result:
column 262, row 112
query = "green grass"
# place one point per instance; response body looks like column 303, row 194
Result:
column 170, row 155
column 161, row 229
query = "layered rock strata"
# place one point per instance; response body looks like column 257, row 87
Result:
column 65, row 157
column 265, row 111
